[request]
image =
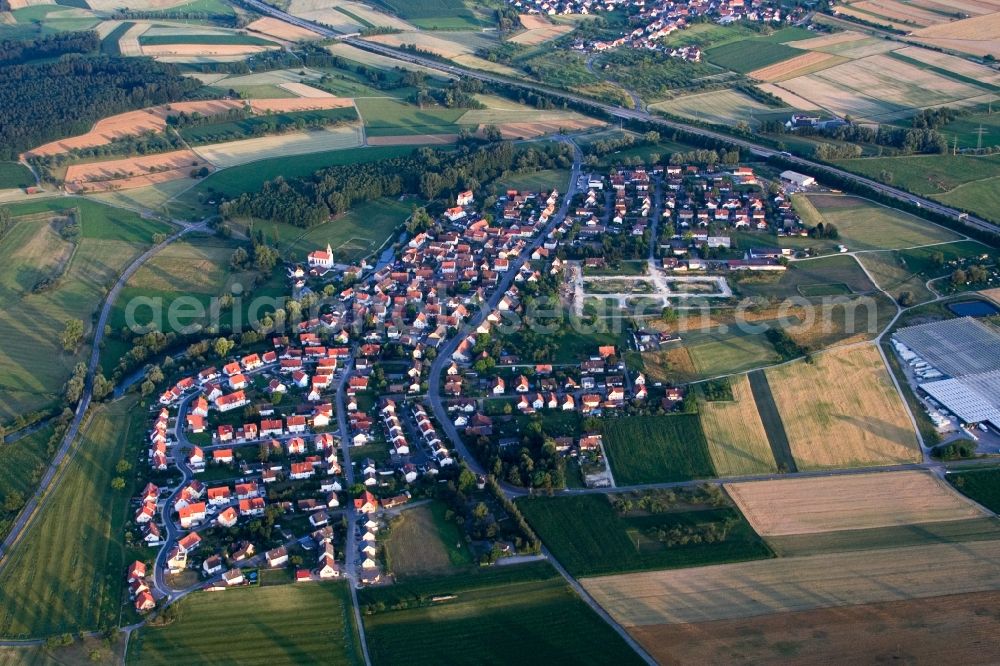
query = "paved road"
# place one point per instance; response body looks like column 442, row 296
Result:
column 38, row 498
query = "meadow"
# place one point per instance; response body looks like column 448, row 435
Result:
column 278, row 624
column 892, row 274
column 33, row 365
column 842, row 410
column 825, row 270
column 389, row 117
column 588, row 537
column 737, row 440
column 64, row 575
column 535, row 181
column 651, row 449
column 222, row 39
column 21, row 466
column 434, row 14
column 282, row 146
column 255, row 125
column 723, row 107
column 422, row 542
column 485, row 617
column 14, row 175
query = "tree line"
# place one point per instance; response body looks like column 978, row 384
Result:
column 20, row 51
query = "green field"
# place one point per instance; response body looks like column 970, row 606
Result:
column 279, row 624
column 14, row 175
column 234, row 39
column 195, row 203
column 388, row 117
column 966, row 129
column 434, row 14
column 65, row 575
column 966, row 181
column 893, row 275
column 866, row 225
column 589, row 537
column 265, row 124
column 714, row 353
column 33, row 365
column 750, row 54
column 21, row 466
column 981, row 485
column 352, row 236
column 653, row 449
column 826, row 270
column 535, row 181
column 497, row 616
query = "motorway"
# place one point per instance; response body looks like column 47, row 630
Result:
column 627, row 114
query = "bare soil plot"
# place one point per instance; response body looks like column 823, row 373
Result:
column 959, row 628
column 233, row 153
column 272, row 27
column 131, row 172
column 992, row 294
column 807, row 63
column 765, row 587
column 849, row 502
column 842, row 410
column 979, row 35
column 735, row 434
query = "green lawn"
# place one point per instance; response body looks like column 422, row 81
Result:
column 535, row 181
column 65, row 575
column 281, row 624
column 98, row 221
column 388, row 117
column 714, row 353
column 967, row 130
column 497, row 616
column 826, row 270
column 230, row 183
column 651, row 449
column 982, row 485
column 14, row 175
column 587, row 536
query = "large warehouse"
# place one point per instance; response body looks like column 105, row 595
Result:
column 966, row 352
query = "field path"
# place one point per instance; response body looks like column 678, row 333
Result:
column 51, row 475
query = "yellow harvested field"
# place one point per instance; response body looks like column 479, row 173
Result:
column 827, row 40
column 204, row 50
column 992, row 294
column 538, row 30
column 842, row 410
column 105, row 28
column 952, row 64
column 445, row 48
column 763, row 587
column 128, row 43
column 849, row 502
column 911, row 15
column 979, row 35
column 861, row 48
column 519, row 114
column 788, row 97
column 736, row 438
column 299, row 104
column 303, row 90
column 133, row 123
column 807, row 63
column 849, row 10
column 412, row 139
column 131, row 172
column 970, row 7
column 726, row 107
column 233, row 153
column 272, row 27
column 531, row 130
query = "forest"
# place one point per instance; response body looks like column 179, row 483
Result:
column 20, row 51
column 429, row 173
column 89, row 88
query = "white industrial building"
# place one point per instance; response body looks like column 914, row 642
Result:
column 799, row 179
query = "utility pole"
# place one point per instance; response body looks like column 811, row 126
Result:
column 954, row 148
column 979, row 133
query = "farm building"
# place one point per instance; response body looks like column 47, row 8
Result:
column 796, row 178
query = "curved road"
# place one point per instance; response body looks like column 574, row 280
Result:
column 38, row 498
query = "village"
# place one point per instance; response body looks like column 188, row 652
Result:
column 294, row 456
